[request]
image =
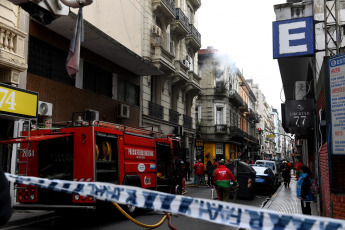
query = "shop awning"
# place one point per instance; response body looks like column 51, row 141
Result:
column 34, row 138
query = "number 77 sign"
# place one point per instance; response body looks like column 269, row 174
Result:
column 16, row 102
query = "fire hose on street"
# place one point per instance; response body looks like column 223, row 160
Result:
column 142, row 224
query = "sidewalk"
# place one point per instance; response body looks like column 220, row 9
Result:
column 284, row 200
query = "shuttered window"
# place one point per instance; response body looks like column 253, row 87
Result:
column 97, row 79
column 48, row 61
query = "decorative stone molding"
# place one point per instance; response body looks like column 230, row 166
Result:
column 11, row 54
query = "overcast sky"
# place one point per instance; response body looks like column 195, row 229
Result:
column 243, row 29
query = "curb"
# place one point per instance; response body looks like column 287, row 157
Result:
column 273, row 197
column 28, row 218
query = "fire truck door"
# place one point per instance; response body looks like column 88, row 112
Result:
column 107, row 164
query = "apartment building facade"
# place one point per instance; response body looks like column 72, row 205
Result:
column 225, row 123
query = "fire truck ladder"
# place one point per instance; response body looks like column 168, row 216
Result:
column 23, row 125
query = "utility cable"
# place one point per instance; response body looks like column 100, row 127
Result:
column 137, row 222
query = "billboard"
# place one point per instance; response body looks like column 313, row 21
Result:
column 337, row 102
column 293, row 37
column 17, row 103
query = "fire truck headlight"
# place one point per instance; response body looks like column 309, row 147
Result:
column 76, row 197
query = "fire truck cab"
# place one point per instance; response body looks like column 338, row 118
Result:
column 101, row 152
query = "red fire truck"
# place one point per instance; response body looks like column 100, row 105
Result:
column 101, row 152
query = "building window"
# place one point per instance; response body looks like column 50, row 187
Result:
column 190, row 15
column 48, row 61
column 198, row 113
column 219, row 116
column 219, row 148
column 97, row 79
column 127, row 92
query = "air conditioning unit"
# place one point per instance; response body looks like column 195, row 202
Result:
column 123, row 111
column 156, row 31
column 185, row 62
column 45, row 109
column 91, row 115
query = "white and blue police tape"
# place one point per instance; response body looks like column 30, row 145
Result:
column 225, row 213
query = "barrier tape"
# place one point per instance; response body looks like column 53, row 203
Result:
column 219, row 212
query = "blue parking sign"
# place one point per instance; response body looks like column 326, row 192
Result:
column 293, row 37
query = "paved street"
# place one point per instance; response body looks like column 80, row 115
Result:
column 115, row 220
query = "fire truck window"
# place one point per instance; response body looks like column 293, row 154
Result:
column 106, row 159
column 56, row 159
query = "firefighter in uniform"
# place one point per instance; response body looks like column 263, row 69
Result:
column 222, row 178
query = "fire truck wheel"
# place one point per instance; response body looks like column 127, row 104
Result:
column 178, row 189
column 130, row 209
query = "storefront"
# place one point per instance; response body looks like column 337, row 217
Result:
column 15, row 104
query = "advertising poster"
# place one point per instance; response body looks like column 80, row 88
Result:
column 337, row 102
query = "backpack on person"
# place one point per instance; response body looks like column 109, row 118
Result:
column 314, row 188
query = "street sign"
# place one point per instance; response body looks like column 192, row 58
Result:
column 292, row 141
column 271, row 136
column 293, row 37
column 199, row 143
column 337, row 102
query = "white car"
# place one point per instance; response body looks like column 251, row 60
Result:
column 273, row 165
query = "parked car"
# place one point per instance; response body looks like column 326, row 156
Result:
column 273, row 165
column 265, row 179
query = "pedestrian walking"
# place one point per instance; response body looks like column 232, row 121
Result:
column 187, row 168
column 303, row 190
column 286, row 174
column 222, row 178
column 199, row 172
column 5, row 200
column 298, row 168
column 209, row 171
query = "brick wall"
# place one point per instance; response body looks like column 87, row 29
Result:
column 324, row 186
column 321, row 100
column 338, row 206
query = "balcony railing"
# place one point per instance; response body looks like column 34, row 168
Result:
column 156, row 110
column 235, row 98
column 174, row 116
column 244, row 107
column 187, row 121
column 183, row 19
column 194, row 38
column 167, row 7
column 170, row 4
column 221, row 128
column 12, row 45
column 195, row 34
column 234, row 130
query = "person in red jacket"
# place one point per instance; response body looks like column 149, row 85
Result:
column 222, row 178
column 298, row 168
column 199, row 172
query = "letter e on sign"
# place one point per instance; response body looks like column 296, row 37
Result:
column 293, row 37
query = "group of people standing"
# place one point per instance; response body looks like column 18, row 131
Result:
column 218, row 175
